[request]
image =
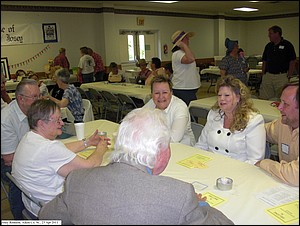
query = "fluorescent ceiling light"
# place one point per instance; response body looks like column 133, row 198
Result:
column 245, row 9
column 168, row 2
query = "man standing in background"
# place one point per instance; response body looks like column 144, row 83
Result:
column 61, row 59
column 99, row 69
column 279, row 60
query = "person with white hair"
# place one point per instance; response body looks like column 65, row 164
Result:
column 71, row 97
column 129, row 190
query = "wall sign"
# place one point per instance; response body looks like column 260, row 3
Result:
column 24, row 34
column 140, row 21
column 49, row 32
column 5, row 68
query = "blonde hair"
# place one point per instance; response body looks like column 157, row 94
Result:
column 244, row 107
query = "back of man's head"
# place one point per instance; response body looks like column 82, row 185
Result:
column 142, row 134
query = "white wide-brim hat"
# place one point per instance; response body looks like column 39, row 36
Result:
column 179, row 35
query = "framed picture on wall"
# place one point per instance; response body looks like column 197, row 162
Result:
column 5, row 68
column 49, row 32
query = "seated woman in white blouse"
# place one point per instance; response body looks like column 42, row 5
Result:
column 233, row 127
column 177, row 113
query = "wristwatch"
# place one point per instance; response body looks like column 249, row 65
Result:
column 85, row 142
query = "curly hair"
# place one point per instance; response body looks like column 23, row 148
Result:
column 244, row 107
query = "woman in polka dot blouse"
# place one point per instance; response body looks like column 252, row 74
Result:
column 234, row 128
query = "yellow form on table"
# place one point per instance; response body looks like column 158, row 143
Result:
column 287, row 213
column 195, row 161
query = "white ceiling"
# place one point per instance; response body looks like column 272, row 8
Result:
column 197, row 7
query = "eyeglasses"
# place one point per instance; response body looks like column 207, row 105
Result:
column 57, row 121
column 32, row 97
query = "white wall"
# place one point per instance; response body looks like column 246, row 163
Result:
column 100, row 31
column 257, row 33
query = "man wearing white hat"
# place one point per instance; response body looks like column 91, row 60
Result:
column 186, row 79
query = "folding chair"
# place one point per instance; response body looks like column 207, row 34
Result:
column 26, row 213
column 197, row 129
column 197, row 112
column 4, row 190
column 88, row 111
column 112, row 104
column 97, row 101
column 82, row 92
column 127, row 104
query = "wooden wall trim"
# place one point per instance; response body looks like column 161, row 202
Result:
column 26, row 8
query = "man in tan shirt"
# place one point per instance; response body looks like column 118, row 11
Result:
column 285, row 133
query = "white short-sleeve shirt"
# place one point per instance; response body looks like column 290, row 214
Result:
column 185, row 76
column 35, row 167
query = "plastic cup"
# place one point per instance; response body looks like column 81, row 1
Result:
column 113, row 139
column 79, row 127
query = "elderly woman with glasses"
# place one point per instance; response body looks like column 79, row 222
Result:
column 41, row 163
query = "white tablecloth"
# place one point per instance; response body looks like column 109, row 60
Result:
column 89, row 128
column 241, row 204
column 216, row 71
column 131, row 73
column 11, row 85
column 264, row 106
column 12, row 95
column 133, row 90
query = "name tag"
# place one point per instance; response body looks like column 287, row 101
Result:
column 285, row 148
column 281, row 47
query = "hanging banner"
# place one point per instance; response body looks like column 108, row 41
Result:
column 20, row 34
column 29, row 60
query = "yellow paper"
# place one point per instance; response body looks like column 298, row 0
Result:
column 195, row 161
column 212, row 199
column 86, row 153
column 286, row 214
